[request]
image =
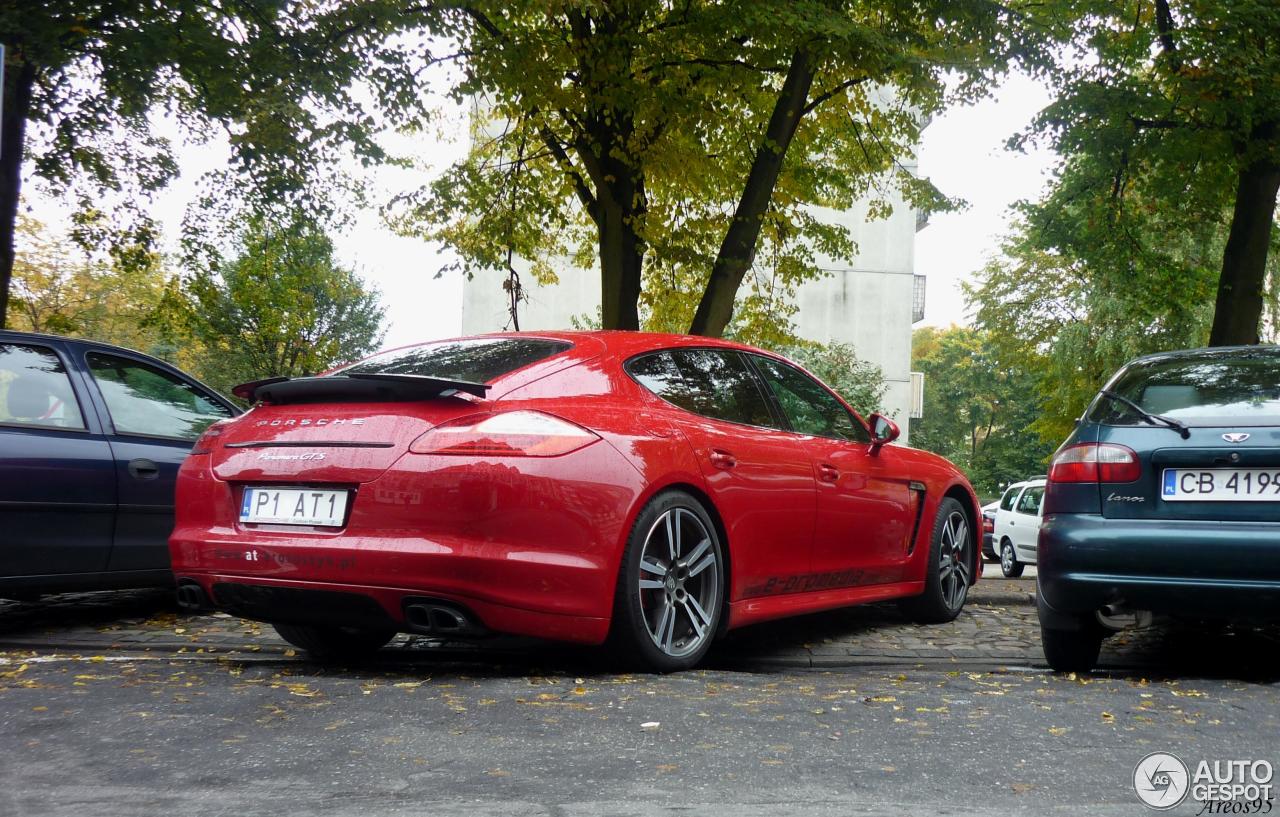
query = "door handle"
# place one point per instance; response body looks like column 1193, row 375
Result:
column 722, row 459
column 143, row 469
column 828, row 473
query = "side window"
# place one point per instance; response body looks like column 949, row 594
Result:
column 658, row 373
column 35, row 389
column 710, row 382
column 1010, row 496
column 1030, row 501
column 809, row 407
column 149, row 401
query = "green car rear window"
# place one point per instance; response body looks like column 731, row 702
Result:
column 1231, row 387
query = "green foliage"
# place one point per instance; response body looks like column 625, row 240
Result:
column 1162, row 112
column 1074, row 319
column 860, row 383
column 59, row 289
column 625, row 133
column 285, row 82
column 282, row 306
column 980, row 407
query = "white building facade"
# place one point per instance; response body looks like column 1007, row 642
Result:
column 869, row 301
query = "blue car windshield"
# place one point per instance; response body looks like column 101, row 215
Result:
column 1228, row 387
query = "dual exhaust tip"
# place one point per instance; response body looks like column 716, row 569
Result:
column 422, row 616
column 191, row 596
column 440, row 618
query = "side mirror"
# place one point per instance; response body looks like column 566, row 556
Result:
column 883, row 431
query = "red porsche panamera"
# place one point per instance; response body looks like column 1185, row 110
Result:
column 656, row 490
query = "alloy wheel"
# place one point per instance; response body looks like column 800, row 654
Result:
column 954, row 563
column 679, row 582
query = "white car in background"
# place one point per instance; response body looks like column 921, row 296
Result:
column 1018, row 525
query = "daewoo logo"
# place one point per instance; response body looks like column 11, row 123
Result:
column 1235, row 437
column 280, row 421
column 310, row 456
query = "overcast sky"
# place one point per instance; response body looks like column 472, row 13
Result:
column 962, row 152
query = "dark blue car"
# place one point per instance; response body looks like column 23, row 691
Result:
column 91, row 437
column 1165, row 499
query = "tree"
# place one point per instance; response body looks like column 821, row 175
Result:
column 669, row 141
column 53, row 291
column 1168, row 116
column 83, row 77
column 281, row 307
column 979, row 409
column 58, row 288
column 1105, row 294
column 860, row 383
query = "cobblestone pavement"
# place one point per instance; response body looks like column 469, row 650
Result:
column 998, row 628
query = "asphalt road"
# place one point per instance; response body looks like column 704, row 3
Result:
column 131, row 726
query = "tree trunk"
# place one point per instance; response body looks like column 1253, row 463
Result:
column 621, row 261
column 737, row 252
column 620, row 205
column 1238, row 313
column 18, row 82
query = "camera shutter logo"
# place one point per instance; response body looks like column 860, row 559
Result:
column 1161, row 780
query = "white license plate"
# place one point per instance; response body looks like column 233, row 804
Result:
column 1221, row 485
column 293, row 506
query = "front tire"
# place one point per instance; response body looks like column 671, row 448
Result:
column 1072, row 650
column 671, row 585
column 1009, row 564
column 335, row 643
column 950, row 570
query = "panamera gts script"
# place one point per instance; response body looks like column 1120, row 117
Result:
column 306, row 421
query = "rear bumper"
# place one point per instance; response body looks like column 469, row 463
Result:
column 357, row 605
column 1218, row 569
column 529, row 547
column 510, row 588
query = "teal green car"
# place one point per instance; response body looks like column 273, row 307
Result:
column 1165, row 499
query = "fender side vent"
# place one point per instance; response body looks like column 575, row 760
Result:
column 917, row 488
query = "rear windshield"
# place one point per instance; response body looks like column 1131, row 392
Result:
column 1232, row 387
column 477, row 360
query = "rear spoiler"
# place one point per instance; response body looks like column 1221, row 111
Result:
column 354, row 387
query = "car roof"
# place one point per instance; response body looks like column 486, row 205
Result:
column 1208, row 351
column 1027, row 483
column 46, row 336
column 619, row 341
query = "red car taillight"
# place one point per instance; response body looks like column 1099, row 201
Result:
column 1095, row 462
column 988, row 525
column 509, row 434
column 204, row 443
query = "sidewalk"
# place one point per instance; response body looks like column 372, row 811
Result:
column 997, row 625
column 997, row 628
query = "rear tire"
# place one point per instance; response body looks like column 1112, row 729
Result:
column 1009, row 564
column 950, row 570
column 1072, row 650
column 671, row 586
column 334, row 643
